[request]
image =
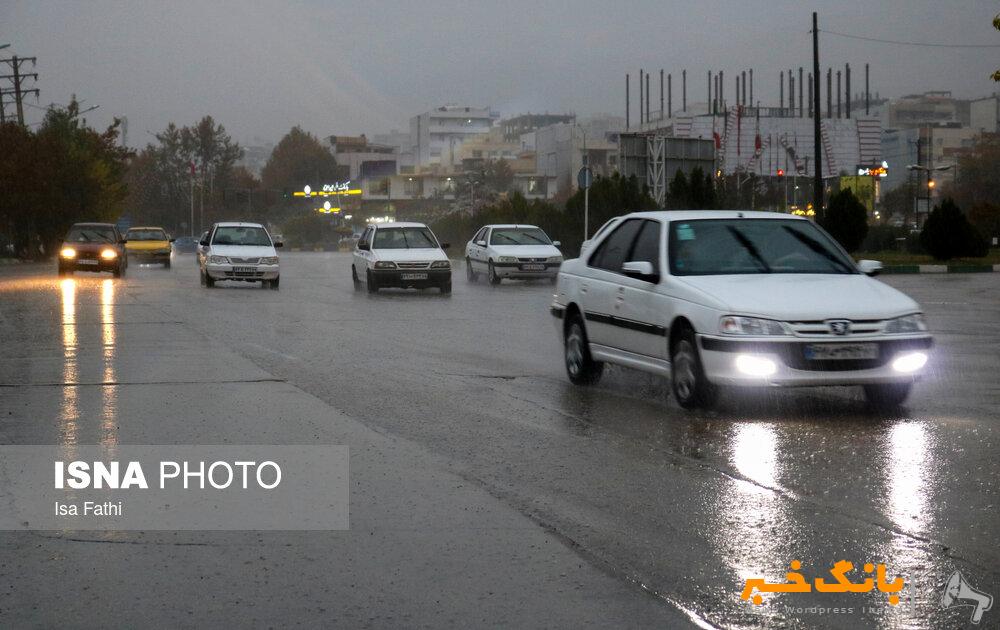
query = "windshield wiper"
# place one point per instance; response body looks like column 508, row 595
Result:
column 749, row 246
column 817, row 247
column 98, row 235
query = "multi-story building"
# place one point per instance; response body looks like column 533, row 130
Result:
column 984, row 114
column 929, row 108
column 363, row 159
column 514, row 128
column 436, row 135
column 563, row 148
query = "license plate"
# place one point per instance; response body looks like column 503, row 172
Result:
column 243, row 269
column 841, row 351
column 413, row 276
column 84, row 261
column 533, row 267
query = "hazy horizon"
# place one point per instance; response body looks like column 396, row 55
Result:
column 336, row 70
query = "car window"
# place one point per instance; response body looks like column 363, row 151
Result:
column 647, row 245
column 365, row 237
column 518, row 236
column 611, row 253
column 404, row 238
column 480, row 235
column 241, row 235
column 146, row 235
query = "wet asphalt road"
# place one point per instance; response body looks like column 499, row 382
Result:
column 486, row 489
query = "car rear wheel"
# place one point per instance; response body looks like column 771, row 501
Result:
column 371, row 282
column 494, row 278
column 687, row 376
column 580, row 366
column 887, row 396
column 470, row 273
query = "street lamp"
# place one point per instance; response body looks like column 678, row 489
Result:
column 930, row 182
column 585, row 158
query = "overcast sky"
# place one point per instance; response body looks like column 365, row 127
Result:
column 365, row 67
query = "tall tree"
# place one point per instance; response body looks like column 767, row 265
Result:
column 299, row 159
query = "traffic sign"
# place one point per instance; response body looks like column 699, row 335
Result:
column 585, row 177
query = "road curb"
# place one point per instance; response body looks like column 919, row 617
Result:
column 906, row 269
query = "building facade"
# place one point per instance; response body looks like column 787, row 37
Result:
column 437, row 134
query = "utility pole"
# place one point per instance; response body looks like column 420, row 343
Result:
column 16, row 78
column 817, row 136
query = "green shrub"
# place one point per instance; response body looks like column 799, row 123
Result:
column 846, row 219
column 948, row 234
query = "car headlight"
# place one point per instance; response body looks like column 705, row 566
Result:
column 269, row 260
column 108, row 254
column 555, row 259
column 440, row 264
column 906, row 324
column 218, row 260
column 506, row 259
column 735, row 325
column 68, row 252
column 385, row 264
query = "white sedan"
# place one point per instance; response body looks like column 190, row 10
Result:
column 243, row 252
column 512, row 251
column 403, row 255
column 713, row 298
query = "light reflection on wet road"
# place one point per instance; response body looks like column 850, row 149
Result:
column 690, row 505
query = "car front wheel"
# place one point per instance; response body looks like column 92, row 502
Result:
column 687, row 376
column 355, row 279
column 470, row 273
column 494, row 278
column 580, row 366
column 371, row 282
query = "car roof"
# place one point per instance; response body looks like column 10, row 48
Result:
column 511, row 225
column 399, row 224
column 85, row 224
column 146, row 227
column 237, row 224
column 690, row 215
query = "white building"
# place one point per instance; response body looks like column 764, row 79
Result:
column 435, row 135
column 560, row 149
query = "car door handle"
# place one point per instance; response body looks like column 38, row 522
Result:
column 583, row 288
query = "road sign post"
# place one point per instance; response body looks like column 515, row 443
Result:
column 583, row 180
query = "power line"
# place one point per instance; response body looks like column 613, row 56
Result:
column 904, row 43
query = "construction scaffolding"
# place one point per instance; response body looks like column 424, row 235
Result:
column 655, row 158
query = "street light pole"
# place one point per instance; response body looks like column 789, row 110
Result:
column 586, row 191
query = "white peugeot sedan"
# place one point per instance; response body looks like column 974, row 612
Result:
column 403, row 255
column 713, row 298
column 512, row 251
column 243, row 252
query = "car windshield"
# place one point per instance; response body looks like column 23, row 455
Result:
column 707, row 247
column 146, row 235
column 90, row 234
column 404, row 238
column 519, row 236
column 241, row 235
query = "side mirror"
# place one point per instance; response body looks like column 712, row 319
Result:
column 556, row 244
column 445, row 245
column 172, row 240
column 278, row 244
column 870, row 267
column 364, row 247
column 203, row 243
column 481, row 243
column 641, row 270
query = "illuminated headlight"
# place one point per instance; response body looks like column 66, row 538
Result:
column 507, row 259
column 385, row 264
column 910, row 362
column 906, row 324
column 218, row 260
column 269, row 260
column 733, row 325
column 108, row 254
column 555, row 259
column 440, row 264
column 68, row 252
column 753, row 365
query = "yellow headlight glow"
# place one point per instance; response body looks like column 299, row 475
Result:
column 68, row 252
column 108, row 254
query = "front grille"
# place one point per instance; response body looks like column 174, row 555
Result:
column 859, row 328
column 244, row 261
column 413, row 265
column 532, row 260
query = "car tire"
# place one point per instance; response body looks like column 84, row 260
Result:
column 371, row 282
column 209, row 281
column 887, row 396
column 65, row 271
column 446, row 287
column 580, row 366
column 687, row 375
column 166, row 265
column 275, row 284
column 470, row 273
column 494, row 278
column 355, row 279
column 118, row 271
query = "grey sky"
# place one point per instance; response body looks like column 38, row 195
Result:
column 353, row 67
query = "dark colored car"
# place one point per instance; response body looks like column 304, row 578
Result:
column 93, row 247
column 185, row 245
